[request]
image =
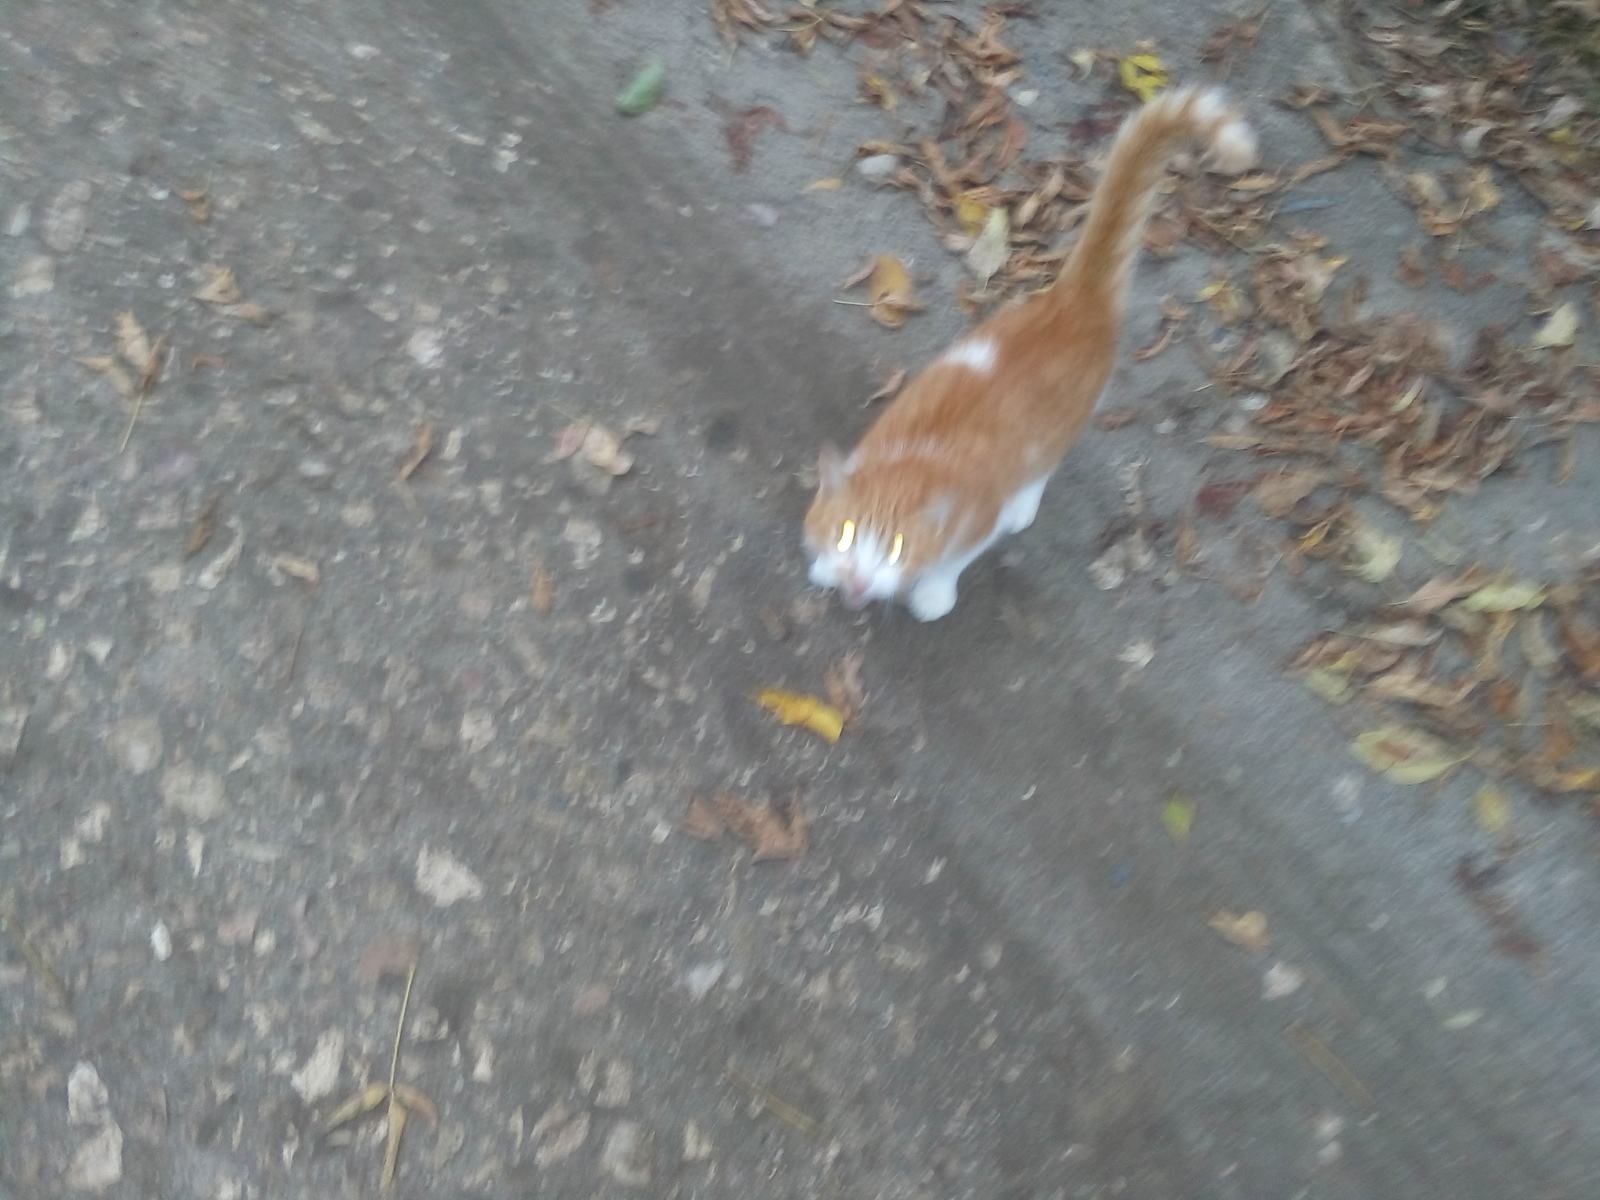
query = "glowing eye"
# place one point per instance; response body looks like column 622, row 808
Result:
column 847, row 536
column 894, row 550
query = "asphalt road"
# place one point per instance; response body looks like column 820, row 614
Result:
column 458, row 717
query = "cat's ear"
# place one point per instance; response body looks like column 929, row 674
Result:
column 833, row 468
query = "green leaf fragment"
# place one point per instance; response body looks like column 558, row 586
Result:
column 1177, row 815
column 644, row 90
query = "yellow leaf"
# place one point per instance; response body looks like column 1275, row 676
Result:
column 1482, row 195
column 1376, row 553
column 1578, row 779
column 1177, row 815
column 1560, row 329
column 831, row 184
column 880, row 92
column 791, row 708
column 1492, row 810
column 1242, row 929
column 1143, row 75
column 1505, row 597
column 971, row 214
column 892, row 293
column 1329, row 684
column 1404, row 755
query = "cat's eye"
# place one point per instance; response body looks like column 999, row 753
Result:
column 847, row 536
column 896, row 547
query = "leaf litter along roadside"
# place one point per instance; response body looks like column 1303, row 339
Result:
column 1357, row 412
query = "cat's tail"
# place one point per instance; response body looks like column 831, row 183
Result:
column 1103, row 258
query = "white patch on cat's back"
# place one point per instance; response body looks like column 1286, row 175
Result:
column 977, row 353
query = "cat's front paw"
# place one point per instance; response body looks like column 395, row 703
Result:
column 931, row 599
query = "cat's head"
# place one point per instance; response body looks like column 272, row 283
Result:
column 872, row 529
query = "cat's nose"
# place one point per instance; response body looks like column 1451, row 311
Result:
column 854, row 592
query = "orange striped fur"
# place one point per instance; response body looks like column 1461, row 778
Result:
column 961, row 457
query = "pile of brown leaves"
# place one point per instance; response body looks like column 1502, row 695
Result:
column 1358, row 406
column 1497, row 672
column 1511, row 84
column 1003, row 211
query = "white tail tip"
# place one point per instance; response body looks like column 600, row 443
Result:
column 1232, row 146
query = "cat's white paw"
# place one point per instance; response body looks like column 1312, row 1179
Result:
column 932, row 598
column 1022, row 508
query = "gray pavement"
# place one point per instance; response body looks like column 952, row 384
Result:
column 242, row 786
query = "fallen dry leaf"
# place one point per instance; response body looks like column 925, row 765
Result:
column 700, row 820
column 540, row 593
column 1403, row 754
column 199, row 202
column 1375, row 554
column 742, row 130
column 890, row 386
column 112, row 370
column 246, row 310
column 152, row 370
column 771, row 834
column 1505, row 597
column 301, row 568
column 892, row 295
column 1442, row 589
column 604, row 449
column 421, row 447
column 792, row 708
column 568, row 441
column 205, row 524
column 221, row 286
column 1278, row 493
column 1492, row 810
column 992, row 249
column 843, row 683
column 1411, row 270
column 1143, row 75
column 133, row 344
column 1242, row 929
column 1560, row 329
column 1219, row 499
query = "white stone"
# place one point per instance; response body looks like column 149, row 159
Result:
column 444, row 880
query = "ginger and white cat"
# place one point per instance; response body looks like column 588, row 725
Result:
column 962, row 456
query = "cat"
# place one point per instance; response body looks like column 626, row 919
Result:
column 961, row 457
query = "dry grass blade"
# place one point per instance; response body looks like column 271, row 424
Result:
column 1316, row 1052
column 397, row 1110
column 776, row 1105
column 205, row 524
